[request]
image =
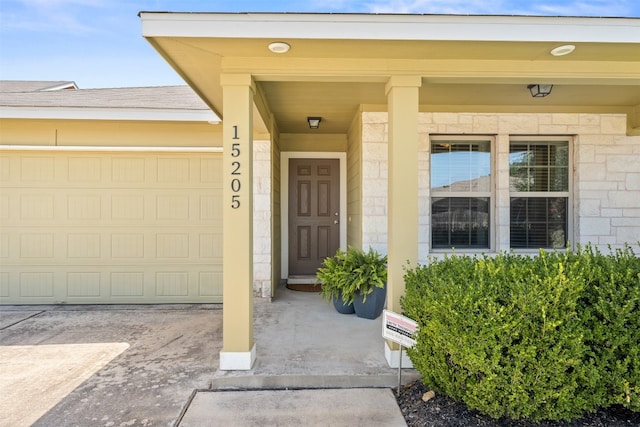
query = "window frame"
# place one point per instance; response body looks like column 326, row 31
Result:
column 568, row 194
column 490, row 195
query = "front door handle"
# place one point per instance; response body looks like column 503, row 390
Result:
column 335, row 221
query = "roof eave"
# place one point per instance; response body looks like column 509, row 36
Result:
column 391, row 27
column 76, row 113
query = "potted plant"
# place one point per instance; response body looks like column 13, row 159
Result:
column 370, row 279
column 355, row 277
column 334, row 275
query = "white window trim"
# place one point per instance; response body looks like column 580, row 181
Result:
column 493, row 213
column 570, row 140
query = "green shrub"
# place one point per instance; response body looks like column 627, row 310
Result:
column 610, row 308
column 528, row 337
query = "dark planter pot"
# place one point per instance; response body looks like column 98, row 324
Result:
column 373, row 306
column 341, row 307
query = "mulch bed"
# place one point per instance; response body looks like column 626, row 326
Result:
column 442, row 411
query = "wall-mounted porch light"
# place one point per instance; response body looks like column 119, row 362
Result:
column 314, row 122
column 539, row 90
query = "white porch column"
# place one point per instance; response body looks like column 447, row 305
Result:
column 238, row 347
column 403, row 105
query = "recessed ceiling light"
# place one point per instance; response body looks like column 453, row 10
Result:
column 279, row 47
column 563, row 50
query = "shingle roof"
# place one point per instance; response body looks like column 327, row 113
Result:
column 37, row 99
column 161, row 97
column 34, row 85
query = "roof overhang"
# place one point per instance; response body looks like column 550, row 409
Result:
column 338, row 62
column 119, row 114
column 390, row 27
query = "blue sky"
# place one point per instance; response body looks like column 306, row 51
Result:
column 98, row 43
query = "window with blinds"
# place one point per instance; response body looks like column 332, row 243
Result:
column 460, row 193
column 539, row 193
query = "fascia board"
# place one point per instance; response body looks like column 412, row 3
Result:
column 392, row 27
column 167, row 115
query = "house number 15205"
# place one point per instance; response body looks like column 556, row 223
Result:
column 236, row 173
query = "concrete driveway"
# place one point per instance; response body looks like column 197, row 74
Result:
column 104, row 365
column 147, row 365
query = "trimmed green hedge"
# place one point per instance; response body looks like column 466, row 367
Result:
column 551, row 336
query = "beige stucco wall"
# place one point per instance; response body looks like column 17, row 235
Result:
column 313, row 142
column 109, row 133
column 606, row 181
column 276, row 247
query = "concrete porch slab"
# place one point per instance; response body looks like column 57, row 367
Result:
column 332, row 407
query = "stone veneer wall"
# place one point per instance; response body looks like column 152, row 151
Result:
column 374, row 181
column 606, row 180
column 262, row 238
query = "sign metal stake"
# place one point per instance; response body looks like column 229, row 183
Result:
column 399, row 372
column 401, row 330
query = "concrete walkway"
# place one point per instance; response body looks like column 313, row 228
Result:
column 157, row 365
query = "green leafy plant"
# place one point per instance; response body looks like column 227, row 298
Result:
column 551, row 336
column 333, row 276
column 610, row 308
column 352, row 272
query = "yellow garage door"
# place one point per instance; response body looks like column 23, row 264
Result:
column 110, row 227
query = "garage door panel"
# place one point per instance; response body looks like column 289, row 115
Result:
column 84, row 284
column 110, row 169
column 120, row 207
column 210, row 283
column 4, row 247
column 86, row 245
column 126, row 284
column 110, row 227
column 122, row 246
column 4, row 284
column 37, row 284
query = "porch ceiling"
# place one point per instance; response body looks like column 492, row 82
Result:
column 330, row 75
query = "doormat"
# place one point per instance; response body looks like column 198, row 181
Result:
column 305, row 287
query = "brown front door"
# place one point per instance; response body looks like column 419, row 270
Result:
column 314, row 208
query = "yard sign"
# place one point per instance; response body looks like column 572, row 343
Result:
column 398, row 328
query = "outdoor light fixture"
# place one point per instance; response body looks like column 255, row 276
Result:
column 314, row 122
column 563, row 50
column 279, row 47
column 540, row 91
